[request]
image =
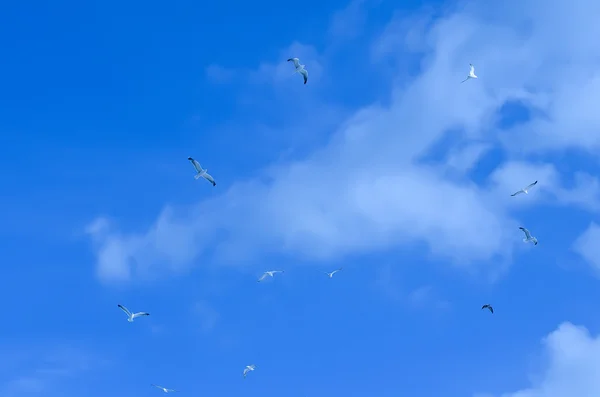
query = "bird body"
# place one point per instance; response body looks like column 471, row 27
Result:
column 300, row 68
column 249, row 368
column 330, row 275
column 201, row 172
column 528, row 237
column 164, row 389
column 132, row 316
column 525, row 189
column 472, row 74
column 489, row 307
column 270, row 273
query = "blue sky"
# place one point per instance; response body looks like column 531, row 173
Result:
column 383, row 164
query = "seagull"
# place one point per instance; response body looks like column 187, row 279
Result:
column 528, row 237
column 202, row 173
column 249, row 368
column 333, row 272
column 489, row 307
column 471, row 73
column 132, row 316
column 164, row 388
column 525, row 189
column 269, row 274
column 299, row 68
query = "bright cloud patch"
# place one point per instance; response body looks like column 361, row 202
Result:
column 588, row 246
column 365, row 190
column 573, row 367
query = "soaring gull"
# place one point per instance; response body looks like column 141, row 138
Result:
column 270, row 273
column 249, row 368
column 201, row 172
column 333, row 272
column 525, row 189
column 489, row 307
column 132, row 316
column 471, row 73
column 164, row 389
column 299, row 68
column 528, row 237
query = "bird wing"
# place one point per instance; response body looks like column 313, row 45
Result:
column 157, row 386
column 251, row 367
column 304, row 74
column 465, row 79
column 491, row 309
column 140, row 314
column 263, row 276
column 531, row 185
column 527, row 234
column 209, row 178
column 484, row 306
column 125, row 310
column 196, row 164
column 295, row 60
column 519, row 192
column 472, row 71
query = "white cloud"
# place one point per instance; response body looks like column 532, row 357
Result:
column 349, row 21
column 365, row 189
column 573, row 367
column 219, row 74
column 588, row 246
column 464, row 159
column 207, row 315
column 426, row 297
column 34, row 371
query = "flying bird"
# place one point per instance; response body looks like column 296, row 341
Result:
column 471, row 73
column 201, row 172
column 299, row 68
column 269, row 274
column 528, row 237
column 164, row 389
column 489, row 307
column 525, row 189
column 249, row 368
column 333, row 272
column 132, row 316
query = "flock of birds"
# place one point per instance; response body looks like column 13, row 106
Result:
column 203, row 173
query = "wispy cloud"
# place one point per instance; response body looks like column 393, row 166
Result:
column 349, row 22
column 426, row 296
column 572, row 368
column 587, row 246
column 365, row 190
column 34, row 372
column 206, row 314
column 388, row 283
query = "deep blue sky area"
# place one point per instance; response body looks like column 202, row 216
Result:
column 384, row 165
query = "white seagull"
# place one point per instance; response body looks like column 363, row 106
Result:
column 202, row 173
column 528, row 237
column 132, row 316
column 525, row 189
column 299, row 68
column 270, row 273
column 471, row 73
column 249, row 368
column 330, row 275
column 163, row 388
